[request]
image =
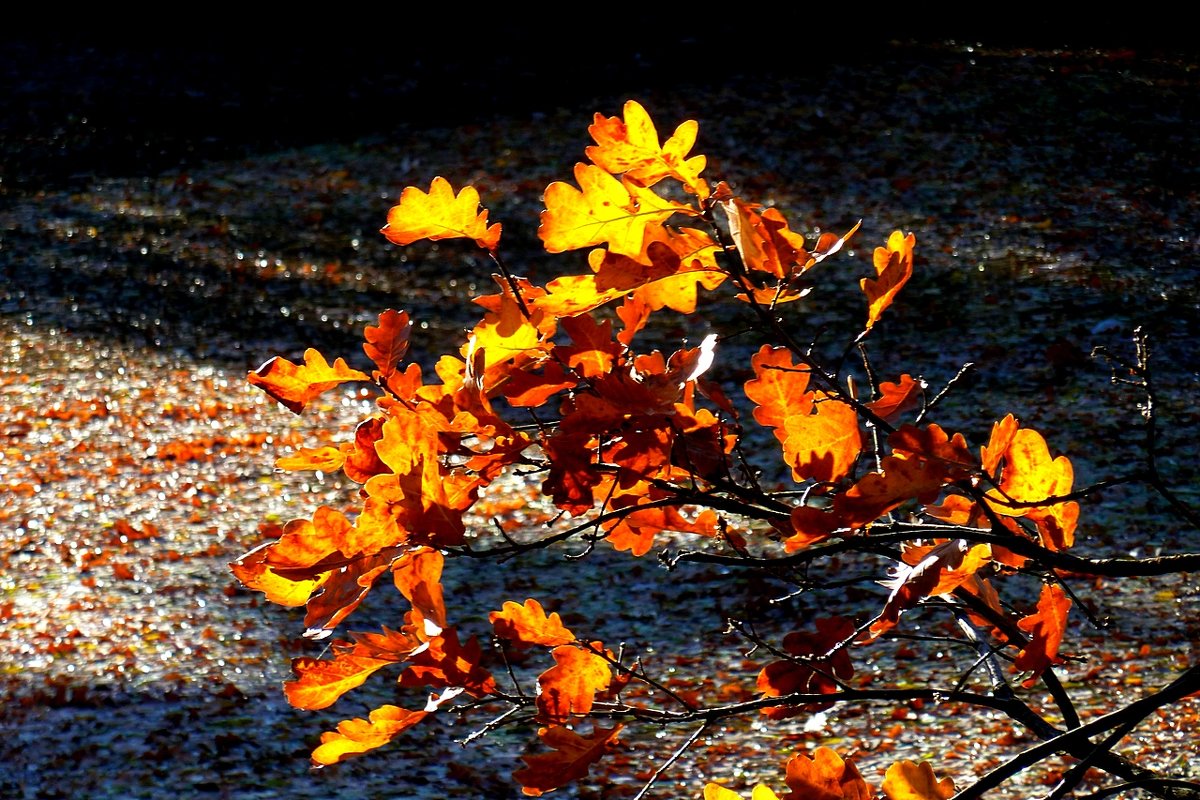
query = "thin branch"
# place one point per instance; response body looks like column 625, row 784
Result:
column 683, row 748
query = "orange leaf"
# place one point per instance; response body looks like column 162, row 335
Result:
column 569, row 688
column 823, row 445
column 893, row 265
column 446, row 663
column 418, row 576
column 1030, row 475
column 930, row 571
column 356, row 736
column 573, row 756
column 295, row 385
column 602, row 211
column 714, row 791
column 593, row 350
column 812, row 672
column 254, row 573
column 1046, row 628
column 896, row 398
column 320, row 682
column 440, row 215
column 388, row 342
column 825, row 776
column 931, row 443
column 636, row 530
column 632, row 147
column 779, row 388
column 527, row 625
column 907, row 780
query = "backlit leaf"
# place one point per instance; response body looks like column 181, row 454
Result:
column 893, row 267
column 440, row 214
column 825, row 776
column 294, row 386
column 527, row 625
column 387, row 342
column 569, row 688
column 356, row 736
column 603, row 210
column 631, row 146
column 907, row 780
column 1046, row 628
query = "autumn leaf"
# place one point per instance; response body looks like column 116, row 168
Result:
column 254, row 573
column 893, row 267
column 572, row 757
column 1031, row 476
column 1046, row 628
column 356, row 736
column 779, row 388
column 387, row 342
column 440, row 215
column 445, row 662
column 824, row 776
column 814, row 669
column 895, row 398
column 527, row 625
column 569, row 687
column 929, row 571
column 823, row 445
column 418, row 575
column 907, row 780
column 603, row 210
column 320, row 682
column 294, row 386
column 631, row 146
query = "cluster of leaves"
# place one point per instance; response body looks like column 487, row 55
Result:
column 631, row 445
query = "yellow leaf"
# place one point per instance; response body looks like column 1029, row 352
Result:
column 632, row 147
column 603, row 210
column 907, row 780
column 440, row 215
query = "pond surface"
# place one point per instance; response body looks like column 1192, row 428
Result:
column 1054, row 198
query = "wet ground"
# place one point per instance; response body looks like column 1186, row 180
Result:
column 145, row 266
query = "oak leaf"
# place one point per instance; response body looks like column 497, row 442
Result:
column 527, row 625
column 320, row 682
column 572, row 757
column 907, row 780
column 893, row 267
column 603, row 210
column 824, row 776
column 631, row 146
column 387, row 342
column 295, row 385
column 714, row 791
column 256, row 574
column 821, row 661
column 569, row 687
column 823, row 445
column 447, row 663
column 896, row 398
column 356, row 736
column 440, row 214
column 1046, row 628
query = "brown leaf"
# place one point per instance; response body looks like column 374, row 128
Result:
column 572, row 757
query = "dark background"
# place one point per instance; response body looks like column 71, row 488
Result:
column 86, row 99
